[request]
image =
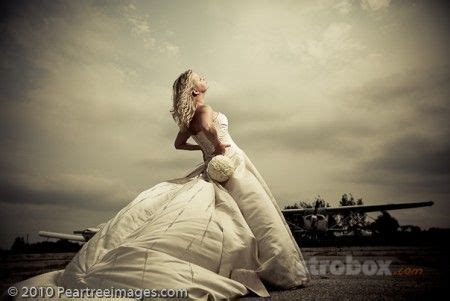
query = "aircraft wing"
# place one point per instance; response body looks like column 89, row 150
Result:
column 357, row 208
column 79, row 235
column 65, row 236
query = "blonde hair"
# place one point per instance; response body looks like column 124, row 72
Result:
column 183, row 109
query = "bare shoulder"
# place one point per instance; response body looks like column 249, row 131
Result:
column 202, row 117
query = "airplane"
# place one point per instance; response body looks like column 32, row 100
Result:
column 315, row 220
column 78, row 235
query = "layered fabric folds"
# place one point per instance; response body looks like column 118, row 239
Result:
column 216, row 240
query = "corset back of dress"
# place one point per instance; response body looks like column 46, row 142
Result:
column 220, row 122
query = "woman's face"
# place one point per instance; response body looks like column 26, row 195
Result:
column 201, row 85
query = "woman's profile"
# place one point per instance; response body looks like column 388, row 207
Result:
column 218, row 240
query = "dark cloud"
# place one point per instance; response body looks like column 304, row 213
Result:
column 9, row 9
column 413, row 155
column 16, row 73
column 16, row 69
column 85, row 96
column 71, row 192
column 423, row 88
column 434, row 187
column 339, row 137
column 409, row 163
column 411, row 151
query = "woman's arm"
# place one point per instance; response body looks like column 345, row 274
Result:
column 181, row 142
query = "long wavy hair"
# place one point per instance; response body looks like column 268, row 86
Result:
column 183, row 109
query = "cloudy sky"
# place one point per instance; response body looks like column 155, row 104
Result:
column 325, row 97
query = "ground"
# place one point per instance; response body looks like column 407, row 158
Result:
column 404, row 273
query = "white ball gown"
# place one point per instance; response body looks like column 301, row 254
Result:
column 217, row 240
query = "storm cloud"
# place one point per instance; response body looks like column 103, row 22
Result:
column 325, row 97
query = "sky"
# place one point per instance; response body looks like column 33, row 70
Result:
column 325, row 97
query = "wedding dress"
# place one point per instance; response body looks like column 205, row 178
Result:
column 217, row 240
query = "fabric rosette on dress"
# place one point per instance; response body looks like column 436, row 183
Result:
column 220, row 168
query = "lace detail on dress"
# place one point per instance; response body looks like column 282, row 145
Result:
column 220, row 122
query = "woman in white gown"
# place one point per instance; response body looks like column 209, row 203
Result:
column 217, row 240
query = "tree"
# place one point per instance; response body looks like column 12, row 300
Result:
column 18, row 245
column 385, row 224
column 352, row 220
column 309, row 204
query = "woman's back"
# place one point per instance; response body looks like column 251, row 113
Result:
column 221, row 124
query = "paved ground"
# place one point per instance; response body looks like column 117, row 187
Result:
column 408, row 273
column 416, row 274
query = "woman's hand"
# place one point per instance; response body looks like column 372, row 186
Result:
column 220, row 148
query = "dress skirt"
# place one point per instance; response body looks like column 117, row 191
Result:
column 216, row 240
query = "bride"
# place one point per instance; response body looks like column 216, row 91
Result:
column 218, row 240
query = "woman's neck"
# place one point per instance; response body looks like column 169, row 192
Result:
column 199, row 102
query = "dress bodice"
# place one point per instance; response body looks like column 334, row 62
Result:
column 220, row 122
